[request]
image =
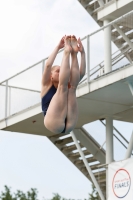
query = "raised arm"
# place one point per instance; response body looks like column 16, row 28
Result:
column 83, row 59
column 49, row 63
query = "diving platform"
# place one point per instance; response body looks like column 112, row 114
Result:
column 107, row 95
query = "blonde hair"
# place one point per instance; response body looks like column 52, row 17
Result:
column 53, row 67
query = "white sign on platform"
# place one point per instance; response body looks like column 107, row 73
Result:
column 120, row 185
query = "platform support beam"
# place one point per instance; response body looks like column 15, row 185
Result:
column 130, row 148
column 107, row 48
column 109, row 147
column 87, row 165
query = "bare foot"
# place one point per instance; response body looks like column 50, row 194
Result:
column 67, row 41
column 74, row 44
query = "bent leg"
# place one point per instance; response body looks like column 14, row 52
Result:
column 57, row 111
column 74, row 74
column 72, row 112
column 55, row 117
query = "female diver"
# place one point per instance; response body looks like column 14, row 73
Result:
column 59, row 85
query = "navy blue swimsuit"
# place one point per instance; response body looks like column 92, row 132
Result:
column 46, row 101
column 47, row 98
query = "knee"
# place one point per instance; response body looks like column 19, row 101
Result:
column 45, row 122
column 63, row 87
column 69, row 127
column 53, row 125
column 72, row 89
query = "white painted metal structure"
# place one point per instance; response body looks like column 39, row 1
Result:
column 104, row 93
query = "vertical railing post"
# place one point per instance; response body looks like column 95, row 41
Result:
column 109, row 147
column 9, row 111
column 43, row 63
column 107, row 48
column 88, row 58
column 6, row 101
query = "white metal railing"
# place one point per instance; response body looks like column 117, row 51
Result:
column 120, row 138
column 20, row 90
column 96, row 4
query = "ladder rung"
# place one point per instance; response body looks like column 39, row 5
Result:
column 90, row 159
column 78, row 155
column 64, row 141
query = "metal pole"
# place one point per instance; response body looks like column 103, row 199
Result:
column 109, row 140
column 6, row 101
column 9, row 101
column 107, row 47
column 130, row 148
column 87, row 166
column 88, row 59
column 109, row 147
column 43, row 63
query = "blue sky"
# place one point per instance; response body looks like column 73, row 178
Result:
column 30, row 29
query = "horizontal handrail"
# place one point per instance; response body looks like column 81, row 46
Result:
column 10, row 86
column 22, row 71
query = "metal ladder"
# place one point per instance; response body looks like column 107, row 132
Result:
column 94, row 153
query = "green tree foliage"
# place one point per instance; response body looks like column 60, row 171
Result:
column 30, row 195
column 19, row 195
column 6, row 195
column 56, row 197
column 94, row 195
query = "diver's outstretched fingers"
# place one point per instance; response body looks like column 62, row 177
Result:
column 61, row 43
column 79, row 41
column 80, row 45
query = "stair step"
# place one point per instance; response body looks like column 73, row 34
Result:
column 97, row 166
column 58, row 135
column 63, row 141
column 98, row 175
column 124, row 29
column 121, row 40
column 94, row 5
column 85, row 2
column 86, row 152
column 94, row 167
column 103, row 185
column 101, row 174
column 70, row 148
column 90, row 160
column 100, row 181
